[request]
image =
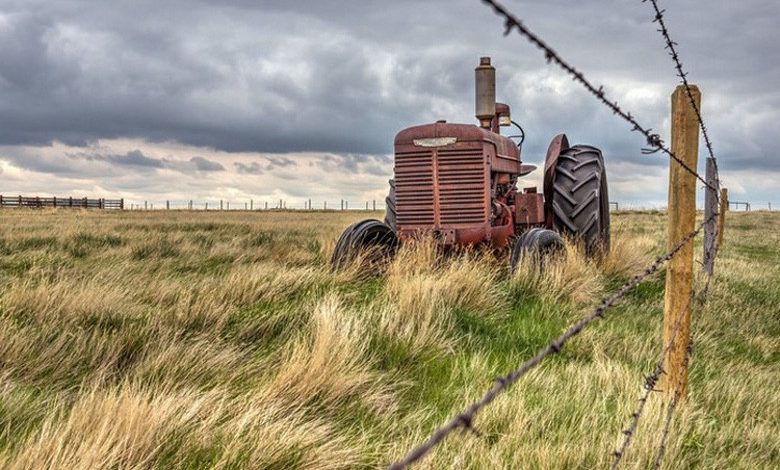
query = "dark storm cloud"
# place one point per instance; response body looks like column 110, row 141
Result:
column 280, row 76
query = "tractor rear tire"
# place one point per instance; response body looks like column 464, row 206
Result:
column 370, row 238
column 535, row 242
column 390, row 214
column 580, row 202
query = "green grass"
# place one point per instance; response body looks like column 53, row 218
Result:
column 223, row 340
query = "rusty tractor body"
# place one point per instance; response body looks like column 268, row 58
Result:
column 459, row 184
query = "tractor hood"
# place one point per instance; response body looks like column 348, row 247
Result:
column 442, row 134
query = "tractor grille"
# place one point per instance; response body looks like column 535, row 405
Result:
column 462, row 187
column 414, row 188
column 460, row 182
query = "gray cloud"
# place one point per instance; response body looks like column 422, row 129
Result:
column 132, row 158
column 252, row 168
column 305, row 76
column 93, row 164
column 202, row 164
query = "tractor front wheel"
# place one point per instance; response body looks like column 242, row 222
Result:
column 580, row 202
column 535, row 242
column 369, row 240
column 390, row 207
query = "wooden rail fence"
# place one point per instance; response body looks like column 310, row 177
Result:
column 14, row 202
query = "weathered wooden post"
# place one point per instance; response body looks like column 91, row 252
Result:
column 374, row 204
column 251, row 204
column 724, row 207
column 682, row 218
column 122, row 204
column 710, row 210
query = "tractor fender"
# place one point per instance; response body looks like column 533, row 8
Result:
column 559, row 143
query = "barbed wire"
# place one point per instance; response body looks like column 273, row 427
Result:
column 465, row 419
column 649, row 387
column 670, row 45
column 653, row 140
column 670, row 409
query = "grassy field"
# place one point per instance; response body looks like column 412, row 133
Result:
column 221, row 340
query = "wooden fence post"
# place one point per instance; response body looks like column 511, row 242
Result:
column 682, row 218
column 167, row 205
column 710, row 208
column 724, row 207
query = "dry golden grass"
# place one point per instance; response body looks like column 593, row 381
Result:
column 223, row 340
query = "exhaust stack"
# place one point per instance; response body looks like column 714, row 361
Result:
column 485, row 106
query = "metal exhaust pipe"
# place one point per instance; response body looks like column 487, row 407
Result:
column 485, row 105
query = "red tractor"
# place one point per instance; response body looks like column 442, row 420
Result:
column 458, row 183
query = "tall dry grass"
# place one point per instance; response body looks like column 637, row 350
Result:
column 223, row 340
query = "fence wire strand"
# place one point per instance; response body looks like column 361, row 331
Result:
column 465, row 419
column 649, row 387
column 654, row 142
column 671, row 47
column 672, row 50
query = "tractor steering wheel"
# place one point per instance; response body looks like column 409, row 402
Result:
column 520, row 136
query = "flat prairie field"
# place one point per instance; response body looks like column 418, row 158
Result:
column 174, row 339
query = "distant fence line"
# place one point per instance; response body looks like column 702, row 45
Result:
column 60, row 202
column 372, row 205
column 254, row 205
column 11, row 202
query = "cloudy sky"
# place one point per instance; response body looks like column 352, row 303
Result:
column 280, row 99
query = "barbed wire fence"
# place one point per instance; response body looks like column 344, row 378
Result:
column 465, row 419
